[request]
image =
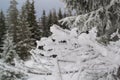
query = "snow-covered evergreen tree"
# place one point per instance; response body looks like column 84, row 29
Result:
column 12, row 22
column 103, row 14
column 23, row 35
column 85, row 6
column 13, row 19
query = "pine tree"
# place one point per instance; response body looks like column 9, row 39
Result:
column 44, row 22
column 33, row 23
column 60, row 15
column 2, row 30
column 23, row 35
column 13, row 19
column 27, row 11
column 28, row 30
column 11, row 36
column 50, row 19
column 49, row 23
column 64, row 15
column 23, row 23
column 31, row 19
column 55, row 17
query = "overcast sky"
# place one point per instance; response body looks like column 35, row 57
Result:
column 39, row 5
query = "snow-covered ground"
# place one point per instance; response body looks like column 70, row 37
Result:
column 68, row 56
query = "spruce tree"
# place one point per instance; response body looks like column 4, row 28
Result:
column 49, row 23
column 33, row 23
column 23, row 35
column 60, row 15
column 28, row 30
column 31, row 18
column 55, row 17
column 50, row 19
column 24, row 26
column 64, row 15
column 11, row 40
column 2, row 30
column 44, row 26
column 13, row 19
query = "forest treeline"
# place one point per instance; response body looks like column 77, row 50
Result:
column 19, row 29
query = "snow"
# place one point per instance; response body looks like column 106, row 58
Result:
column 82, row 22
column 79, row 57
column 68, row 55
column 29, row 63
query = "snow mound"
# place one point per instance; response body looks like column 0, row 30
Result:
column 67, row 55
